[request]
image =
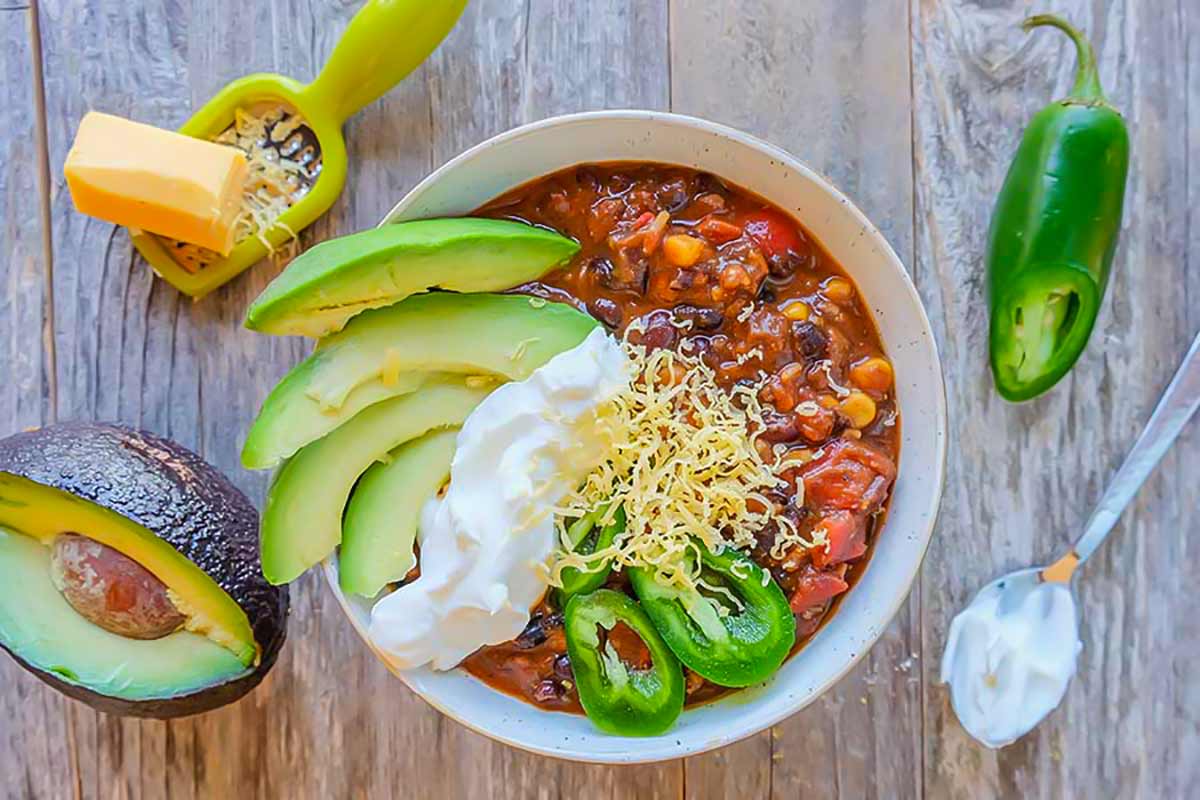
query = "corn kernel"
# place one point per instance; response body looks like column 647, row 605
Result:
column 858, row 408
column 874, row 374
column 797, row 312
column 682, row 250
column 838, row 290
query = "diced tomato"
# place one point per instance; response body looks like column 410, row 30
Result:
column 850, row 475
column 815, row 588
column 718, row 231
column 774, row 233
column 845, row 535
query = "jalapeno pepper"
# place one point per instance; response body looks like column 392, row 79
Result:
column 735, row 634
column 1054, row 231
column 586, row 538
column 617, row 698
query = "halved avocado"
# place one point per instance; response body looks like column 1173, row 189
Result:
column 302, row 521
column 380, row 526
column 151, row 502
column 389, row 352
column 330, row 283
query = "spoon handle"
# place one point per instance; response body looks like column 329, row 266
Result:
column 1177, row 405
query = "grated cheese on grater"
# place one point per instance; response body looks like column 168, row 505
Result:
column 284, row 163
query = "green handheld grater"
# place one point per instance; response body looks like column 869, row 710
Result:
column 384, row 42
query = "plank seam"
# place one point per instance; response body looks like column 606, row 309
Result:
column 919, row 583
column 42, row 146
column 1187, row 156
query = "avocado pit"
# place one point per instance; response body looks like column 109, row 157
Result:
column 111, row 590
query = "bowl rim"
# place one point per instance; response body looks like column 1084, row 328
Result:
column 940, row 429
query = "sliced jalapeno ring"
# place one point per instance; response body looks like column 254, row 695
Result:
column 738, row 634
column 586, row 538
column 618, row 698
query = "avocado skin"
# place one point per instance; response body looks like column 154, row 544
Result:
column 184, row 705
column 186, row 502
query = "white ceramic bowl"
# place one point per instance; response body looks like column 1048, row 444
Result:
column 525, row 153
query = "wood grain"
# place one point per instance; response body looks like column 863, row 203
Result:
column 913, row 108
column 1024, row 477
column 34, row 743
column 821, row 80
column 133, row 349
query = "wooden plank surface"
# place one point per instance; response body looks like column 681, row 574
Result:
column 913, row 109
column 1023, row 478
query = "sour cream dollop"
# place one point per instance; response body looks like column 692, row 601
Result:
column 486, row 545
column 1009, row 663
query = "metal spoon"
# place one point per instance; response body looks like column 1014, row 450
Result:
column 1181, row 399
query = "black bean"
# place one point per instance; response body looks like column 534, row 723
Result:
column 705, row 319
column 811, row 341
column 673, row 195
column 659, row 333
column 782, row 265
column 619, row 183
column 562, row 667
column 606, row 311
column 547, row 691
column 587, row 179
column 534, row 633
column 600, row 268
column 708, row 183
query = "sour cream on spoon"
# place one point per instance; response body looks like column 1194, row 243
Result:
column 1012, row 652
column 486, row 545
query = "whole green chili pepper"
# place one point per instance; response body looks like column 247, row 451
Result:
column 1054, row 231
column 619, row 698
column 735, row 631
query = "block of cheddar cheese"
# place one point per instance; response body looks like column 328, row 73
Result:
column 156, row 180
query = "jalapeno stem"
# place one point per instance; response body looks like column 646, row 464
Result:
column 1087, row 75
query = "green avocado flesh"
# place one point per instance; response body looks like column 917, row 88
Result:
column 302, row 520
column 39, row 625
column 381, row 520
column 41, row 513
column 330, row 283
column 389, row 352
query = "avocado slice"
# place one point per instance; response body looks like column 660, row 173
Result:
column 330, row 283
column 302, row 520
column 154, row 503
column 380, row 526
column 388, row 352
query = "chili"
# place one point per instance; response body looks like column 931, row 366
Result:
column 741, row 282
column 1054, row 230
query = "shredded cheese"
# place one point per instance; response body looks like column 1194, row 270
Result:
column 749, row 355
column 826, row 366
column 683, row 464
column 283, row 167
